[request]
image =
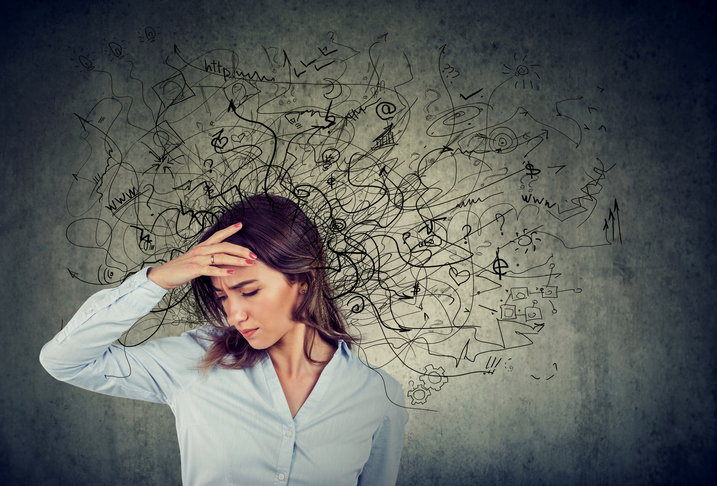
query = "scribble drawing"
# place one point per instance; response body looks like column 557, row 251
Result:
column 445, row 210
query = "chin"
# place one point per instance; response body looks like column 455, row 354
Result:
column 259, row 344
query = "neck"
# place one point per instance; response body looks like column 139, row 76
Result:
column 288, row 355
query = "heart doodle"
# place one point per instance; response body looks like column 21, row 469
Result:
column 459, row 277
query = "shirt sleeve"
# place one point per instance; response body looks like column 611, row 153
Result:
column 83, row 353
column 385, row 457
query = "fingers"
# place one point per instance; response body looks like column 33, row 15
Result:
column 207, row 260
column 210, row 258
column 224, row 260
column 232, row 249
column 221, row 235
column 217, row 272
column 227, row 249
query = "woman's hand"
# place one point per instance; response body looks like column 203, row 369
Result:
column 206, row 258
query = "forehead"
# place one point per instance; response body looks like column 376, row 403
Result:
column 256, row 274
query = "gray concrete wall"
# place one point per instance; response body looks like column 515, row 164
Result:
column 614, row 381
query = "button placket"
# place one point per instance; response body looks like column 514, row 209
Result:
column 287, row 451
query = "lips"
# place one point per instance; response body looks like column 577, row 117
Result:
column 248, row 332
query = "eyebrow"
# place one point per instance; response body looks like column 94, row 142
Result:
column 236, row 286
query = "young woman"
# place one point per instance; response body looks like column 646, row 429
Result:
column 269, row 392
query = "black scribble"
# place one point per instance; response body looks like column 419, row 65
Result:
column 443, row 226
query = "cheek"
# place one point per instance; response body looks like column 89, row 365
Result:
column 289, row 301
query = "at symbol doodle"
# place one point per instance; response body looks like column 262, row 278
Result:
column 385, row 110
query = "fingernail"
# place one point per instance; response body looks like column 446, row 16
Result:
column 230, row 272
column 250, row 262
column 238, row 225
column 253, row 256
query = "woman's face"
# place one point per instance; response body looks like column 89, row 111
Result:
column 258, row 302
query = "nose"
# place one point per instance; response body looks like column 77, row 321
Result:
column 233, row 308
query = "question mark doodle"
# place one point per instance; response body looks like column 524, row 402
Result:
column 426, row 108
column 499, row 216
column 468, row 232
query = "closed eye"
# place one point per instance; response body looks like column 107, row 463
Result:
column 222, row 298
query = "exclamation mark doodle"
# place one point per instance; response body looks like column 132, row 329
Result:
column 492, row 364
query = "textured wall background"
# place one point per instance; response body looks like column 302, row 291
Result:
column 632, row 397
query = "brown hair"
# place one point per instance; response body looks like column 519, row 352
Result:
column 286, row 240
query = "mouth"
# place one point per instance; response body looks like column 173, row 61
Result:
column 247, row 333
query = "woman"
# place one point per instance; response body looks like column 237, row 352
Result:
column 269, row 393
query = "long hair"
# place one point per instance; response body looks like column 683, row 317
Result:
column 286, row 240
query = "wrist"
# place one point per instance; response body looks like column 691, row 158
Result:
column 154, row 277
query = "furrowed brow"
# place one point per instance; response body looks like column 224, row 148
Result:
column 236, row 286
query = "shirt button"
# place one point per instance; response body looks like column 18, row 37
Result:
column 289, row 433
column 281, row 477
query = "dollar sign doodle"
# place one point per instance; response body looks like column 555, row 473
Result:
column 499, row 265
column 532, row 171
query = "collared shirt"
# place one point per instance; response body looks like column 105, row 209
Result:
column 235, row 426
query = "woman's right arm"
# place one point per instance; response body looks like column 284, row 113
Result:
column 83, row 353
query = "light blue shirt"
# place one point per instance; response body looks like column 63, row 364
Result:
column 234, row 426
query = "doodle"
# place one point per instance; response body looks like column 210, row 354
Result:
column 433, row 378
column 418, row 394
column 613, row 221
column 493, row 363
column 115, row 50
column 85, row 62
column 436, row 255
column 499, row 265
column 147, row 34
column 523, row 73
column 507, row 311
column 554, row 370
